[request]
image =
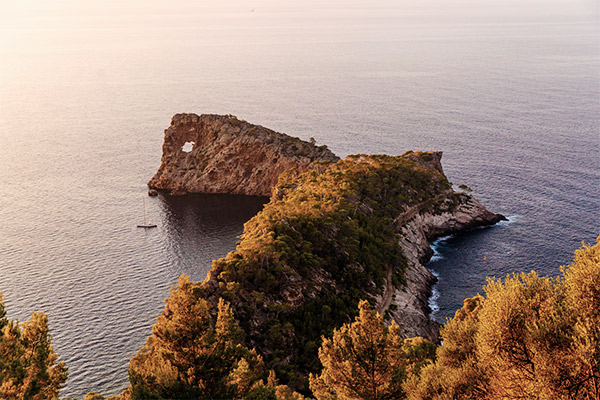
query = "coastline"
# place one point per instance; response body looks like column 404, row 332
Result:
column 212, row 154
column 413, row 311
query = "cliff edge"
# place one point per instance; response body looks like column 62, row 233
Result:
column 222, row 154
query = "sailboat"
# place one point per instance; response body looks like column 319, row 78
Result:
column 145, row 224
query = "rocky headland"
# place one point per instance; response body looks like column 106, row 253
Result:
column 334, row 232
column 228, row 155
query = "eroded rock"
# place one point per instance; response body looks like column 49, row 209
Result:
column 222, row 154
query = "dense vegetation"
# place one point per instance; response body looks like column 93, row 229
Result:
column 325, row 241
column 188, row 357
column 296, row 300
column 368, row 360
column 526, row 338
column 28, row 368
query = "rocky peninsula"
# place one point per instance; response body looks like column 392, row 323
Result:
column 334, row 232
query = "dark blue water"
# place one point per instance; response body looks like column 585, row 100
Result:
column 510, row 94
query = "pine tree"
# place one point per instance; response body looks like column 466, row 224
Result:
column 190, row 356
column 582, row 303
column 28, row 368
column 363, row 360
column 529, row 337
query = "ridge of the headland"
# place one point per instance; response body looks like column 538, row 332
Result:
column 334, row 232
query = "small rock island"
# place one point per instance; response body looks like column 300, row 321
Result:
column 334, row 232
column 222, row 154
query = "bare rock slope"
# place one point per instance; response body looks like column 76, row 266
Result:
column 417, row 231
column 227, row 155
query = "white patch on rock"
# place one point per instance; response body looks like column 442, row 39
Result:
column 188, row 146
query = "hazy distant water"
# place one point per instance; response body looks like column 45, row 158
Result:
column 512, row 100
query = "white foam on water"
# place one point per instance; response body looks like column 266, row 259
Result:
column 436, row 246
column 511, row 219
column 435, row 295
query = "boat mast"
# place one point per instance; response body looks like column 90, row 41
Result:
column 144, row 201
column 145, row 225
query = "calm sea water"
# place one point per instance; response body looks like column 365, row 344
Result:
column 510, row 93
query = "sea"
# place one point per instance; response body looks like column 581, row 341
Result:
column 508, row 90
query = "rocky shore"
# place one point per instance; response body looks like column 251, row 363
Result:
column 417, row 231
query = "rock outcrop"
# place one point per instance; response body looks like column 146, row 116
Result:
column 222, row 154
column 409, row 304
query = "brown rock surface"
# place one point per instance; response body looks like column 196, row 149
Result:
column 222, row 154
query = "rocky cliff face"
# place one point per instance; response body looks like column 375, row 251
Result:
column 409, row 305
column 222, row 154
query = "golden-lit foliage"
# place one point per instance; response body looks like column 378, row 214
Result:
column 93, row 396
column 193, row 355
column 28, row 368
column 529, row 337
column 304, row 263
column 366, row 360
column 325, row 241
